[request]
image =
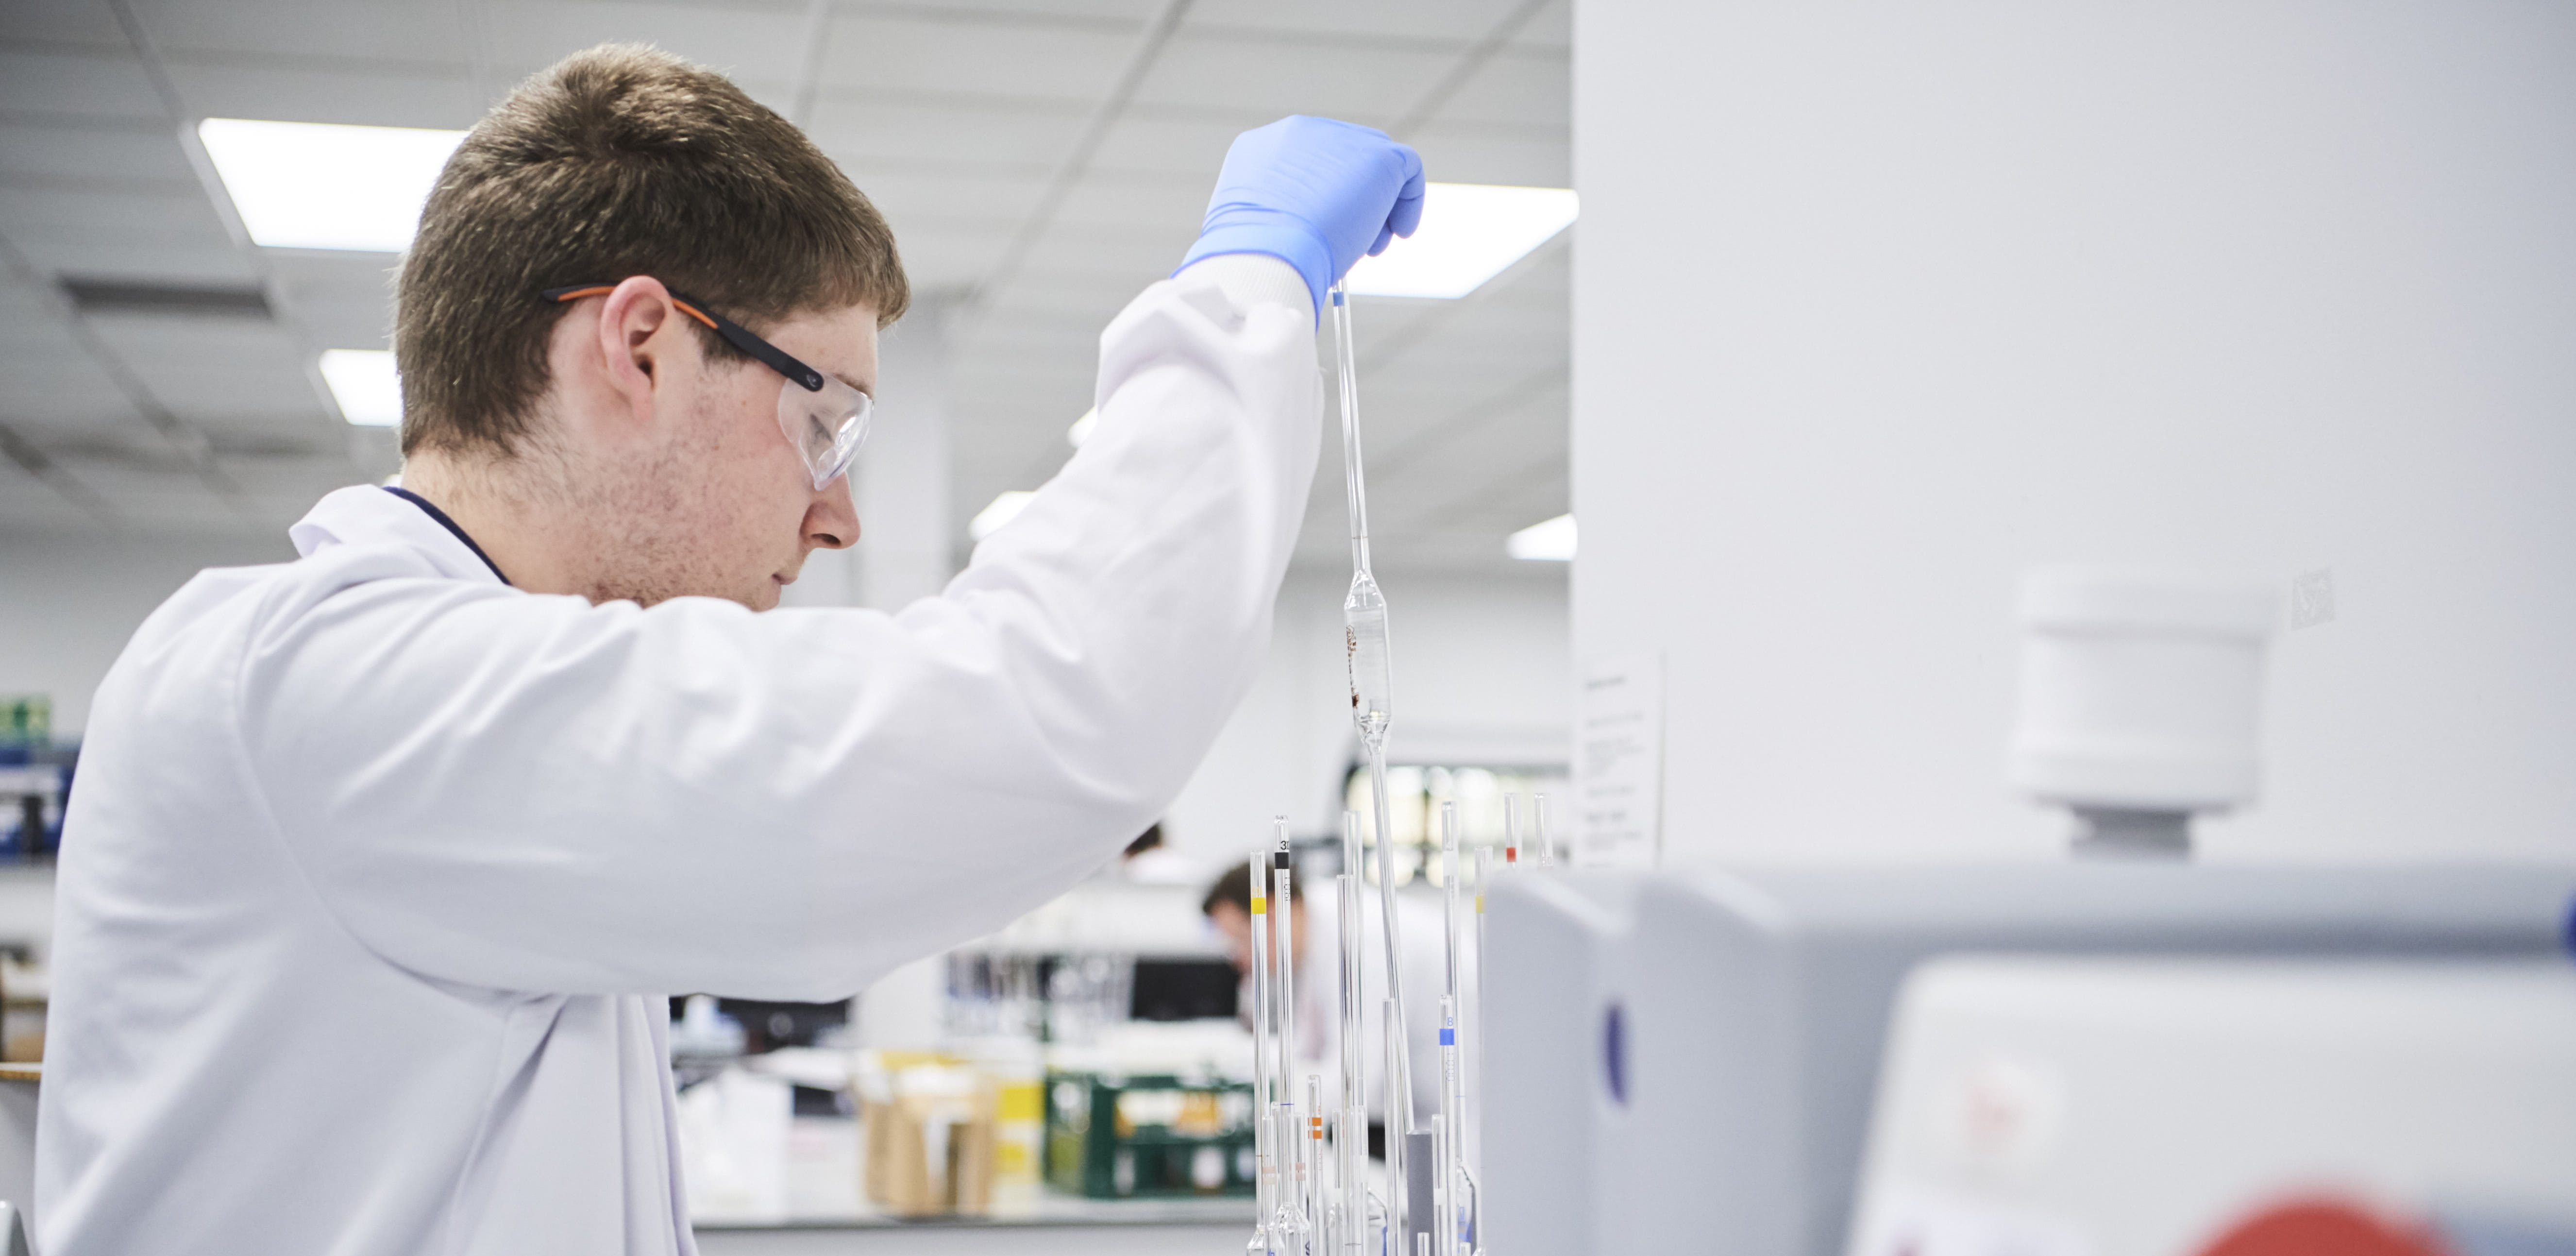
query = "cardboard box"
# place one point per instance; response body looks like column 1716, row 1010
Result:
column 930, row 1146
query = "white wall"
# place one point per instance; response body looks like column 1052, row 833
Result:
column 69, row 603
column 1481, row 676
column 1879, row 303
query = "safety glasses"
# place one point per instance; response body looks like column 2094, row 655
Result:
column 825, row 419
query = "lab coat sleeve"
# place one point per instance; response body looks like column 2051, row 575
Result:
column 532, row 793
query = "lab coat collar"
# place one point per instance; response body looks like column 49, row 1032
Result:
column 365, row 514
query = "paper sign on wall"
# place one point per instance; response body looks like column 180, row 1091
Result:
column 1619, row 760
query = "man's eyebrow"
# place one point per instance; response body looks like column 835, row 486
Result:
column 854, row 384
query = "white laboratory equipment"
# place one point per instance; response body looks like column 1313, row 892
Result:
column 2151, row 1107
column 1684, row 1060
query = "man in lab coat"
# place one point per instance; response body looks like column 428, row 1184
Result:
column 384, row 860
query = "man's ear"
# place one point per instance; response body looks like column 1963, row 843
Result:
column 636, row 327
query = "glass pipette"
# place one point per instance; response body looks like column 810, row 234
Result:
column 1310, row 1132
column 1443, row 1177
column 1364, row 638
column 1351, row 1151
column 1546, row 840
column 1265, row 1184
column 1288, row 1230
column 1453, row 1093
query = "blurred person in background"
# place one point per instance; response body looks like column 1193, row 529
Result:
column 1314, row 925
column 1149, row 861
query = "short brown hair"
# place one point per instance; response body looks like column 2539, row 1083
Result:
column 622, row 160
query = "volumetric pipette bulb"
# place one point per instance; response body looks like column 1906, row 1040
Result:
column 1372, row 672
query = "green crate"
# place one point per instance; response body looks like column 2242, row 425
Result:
column 1158, row 1137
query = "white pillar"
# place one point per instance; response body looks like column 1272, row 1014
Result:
column 905, row 550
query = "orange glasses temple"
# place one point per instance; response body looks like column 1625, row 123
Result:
column 685, row 308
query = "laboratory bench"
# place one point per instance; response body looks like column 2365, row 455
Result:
column 1052, row 1222
column 821, row 1213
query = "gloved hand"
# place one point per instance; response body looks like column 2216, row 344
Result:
column 1315, row 193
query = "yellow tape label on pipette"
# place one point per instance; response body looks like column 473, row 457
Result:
column 1260, row 906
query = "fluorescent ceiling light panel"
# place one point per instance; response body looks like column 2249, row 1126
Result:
column 1081, row 429
column 1548, row 542
column 364, row 383
column 1470, row 233
column 315, row 185
column 1005, row 508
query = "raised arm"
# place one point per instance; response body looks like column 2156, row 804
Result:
column 535, row 793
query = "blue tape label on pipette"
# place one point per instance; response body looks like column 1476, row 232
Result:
column 1448, row 1037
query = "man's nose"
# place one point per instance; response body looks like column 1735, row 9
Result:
column 832, row 522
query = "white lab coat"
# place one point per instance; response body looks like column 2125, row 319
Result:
column 378, row 871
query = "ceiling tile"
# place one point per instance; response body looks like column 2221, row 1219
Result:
column 1096, row 297
column 861, row 132
column 1551, row 29
column 345, row 321
column 336, row 300
column 1134, row 13
column 1454, row 152
column 1527, row 89
column 1142, row 251
column 66, row 21
column 392, row 30
column 1355, row 80
column 30, row 506
column 937, row 255
column 90, row 85
column 305, row 92
column 1168, row 208
column 997, row 198
column 33, row 214
column 1173, row 141
column 75, row 156
column 61, row 389
column 155, row 496
column 201, row 368
column 924, row 52
column 193, row 259
column 1457, row 22
column 748, row 44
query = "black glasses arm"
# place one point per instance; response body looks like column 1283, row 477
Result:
column 736, row 334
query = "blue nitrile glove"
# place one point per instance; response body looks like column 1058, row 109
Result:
column 1315, row 193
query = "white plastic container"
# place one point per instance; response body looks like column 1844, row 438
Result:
column 2141, row 697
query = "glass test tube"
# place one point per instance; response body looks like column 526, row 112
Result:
column 1283, row 993
column 1453, row 1142
column 1265, row 1186
column 1312, row 1134
column 1399, row 1065
column 1546, row 841
column 1352, row 1132
column 1445, row 1126
column 1476, row 1051
column 1399, row 1189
